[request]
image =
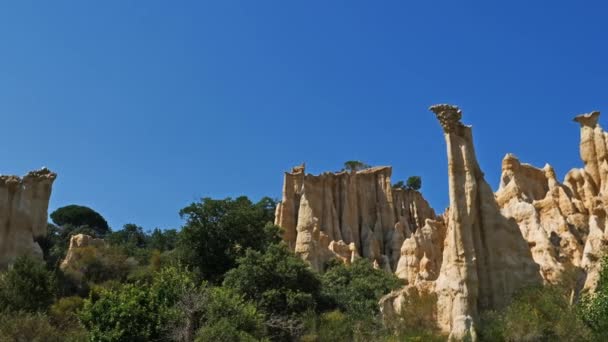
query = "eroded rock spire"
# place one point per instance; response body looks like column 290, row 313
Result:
column 24, row 204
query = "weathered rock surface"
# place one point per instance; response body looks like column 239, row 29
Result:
column 485, row 259
column 23, row 213
column 77, row 242
column 484, row 248
column 349, row 215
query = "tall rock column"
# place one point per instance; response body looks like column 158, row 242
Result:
column 23, row 213
column 486, row 259
column 593, row 147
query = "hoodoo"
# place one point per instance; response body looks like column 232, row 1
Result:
column 24, row 204
column 486, row 245
column 349, row 215
column 486, row 259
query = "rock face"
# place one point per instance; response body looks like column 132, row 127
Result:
column 486, row 245
column 486, row 259
column 349, row 215
column 23, row 213
column 77, row 242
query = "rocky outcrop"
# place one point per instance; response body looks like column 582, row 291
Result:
column 349, row 215
column 486, row 245
column 485, row 259
column 77, row 243
column 23, row 213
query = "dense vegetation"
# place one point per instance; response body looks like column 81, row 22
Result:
column 226, row 276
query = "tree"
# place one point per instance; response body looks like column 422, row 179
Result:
column 130, row 234
column 36, row 327
column 27, row 286
column 280, row 284
column 414, row 183
column 356, row 289
column 163, row 240
column 540, row 313
column 594, row 307
column 136, row 312
column 355, row 165
column 223, row 315
column 217, row 232
column 277, row 281
column 78, row 216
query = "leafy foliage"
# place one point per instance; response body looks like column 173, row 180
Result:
column 162, row 240
column 27, row 286
column 276, row 280
column 357, row 288
column 228, row 317
column 536, row 314
column 217, row 232
column 355, row 165
column 135, row 312
column 416, row 321
column 414, row 183
column 78, row 216
column 64, row 312
column 93, row 264
column 594, row 307
column 36, row 327
column 130, row 235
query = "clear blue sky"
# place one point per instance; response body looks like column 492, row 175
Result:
column 145, row 106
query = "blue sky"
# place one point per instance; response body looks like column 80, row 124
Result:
column 145, row 106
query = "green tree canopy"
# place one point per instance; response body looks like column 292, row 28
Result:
column 357, row 288
column 276, row 280
column 27, row 286
column 217, row 232
column 131, row 235
column 78, row 216
column 355, row 165
column 414, row 183
column 594, row 307
column 136, row 312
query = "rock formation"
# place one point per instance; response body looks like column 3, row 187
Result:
column 78, row 242
column 486, row 245
column 23, row 213
column 485, row 259
column 349, row 215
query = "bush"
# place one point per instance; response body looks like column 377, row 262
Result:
column 536, row 314
column 92, row 264
column 414, row 183
column 218, row 232
column 277, row 281
column 329, row 326
column 136, row 312
column 594, row 307
column 417, row 319
column 357, row 288
column 280, row 284
column 355, row 165
column 27, row 286
column 21, row 326
column 64, row 312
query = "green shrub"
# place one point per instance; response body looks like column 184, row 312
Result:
column 64, row 312
column 218, row 232
column 536, row 314
column 135, row 312
column 27, row 286
column 357, row 288
column 35, row 327
column 277, row 281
